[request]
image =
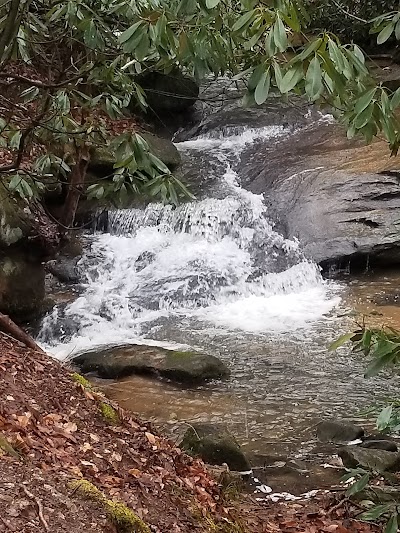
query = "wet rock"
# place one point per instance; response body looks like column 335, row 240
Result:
column 377, row 460
column 164, row 149
column 228, row 479
column 387, row 445
column 338, row 431
column 65, row 269
column 172, row 92
column 336, row 196
column 119, row 361
column 103, row 159
column 22, row 287
column 215, row 446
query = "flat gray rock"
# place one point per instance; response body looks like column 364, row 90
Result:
column 376, row 460
column 338, row 431
column 121, row 361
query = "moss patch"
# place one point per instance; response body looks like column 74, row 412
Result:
column 81, row 380
column 6, row 448
column 125, row 520
column 109, row 413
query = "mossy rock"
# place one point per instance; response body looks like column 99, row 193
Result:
column 15, row 219
column 215, row 446
column 22, row 287
column 121, row 361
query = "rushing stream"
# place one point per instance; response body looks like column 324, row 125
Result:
column 215, row 275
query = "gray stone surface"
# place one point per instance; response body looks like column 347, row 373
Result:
column 338, row 431
column 376, row 460
column 118, row 361
column 215, row 446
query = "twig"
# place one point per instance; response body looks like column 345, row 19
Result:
column 7, row 524
column 337, row 505
column 350, row 14
column 40, row 507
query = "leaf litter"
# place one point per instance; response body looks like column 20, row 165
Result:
column 53, row 431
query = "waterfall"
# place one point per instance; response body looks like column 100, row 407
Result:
column 215, row 261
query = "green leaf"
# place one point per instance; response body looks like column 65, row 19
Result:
column 127, row 34
column 212, row 3
column 378, row 364
column 314, row 86
column 364, row 101
column 262, row 89
column 392, row 525
column 358, row 486
column 395, row 100
column 375, row 512
column 291, row 79
column 244, row 20
column 14, row 140
column 385, row 34
column 340, row 341
column 364, row 117
column 384, row 417
column 280, row 36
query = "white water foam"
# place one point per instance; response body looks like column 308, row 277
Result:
column 216, row 261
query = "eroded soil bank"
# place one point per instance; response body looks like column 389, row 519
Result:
column 73, row 460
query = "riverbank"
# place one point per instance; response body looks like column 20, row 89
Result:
column 72, row 460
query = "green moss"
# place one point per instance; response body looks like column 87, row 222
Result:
column 109, row 413
column 81, row 380
column 6, row 447
column 125, row 520
column 86, row 489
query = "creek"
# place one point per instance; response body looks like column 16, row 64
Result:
column 217, row 275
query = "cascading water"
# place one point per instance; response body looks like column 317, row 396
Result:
column 216, row 261
column 216, row 276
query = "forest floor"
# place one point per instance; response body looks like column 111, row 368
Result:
column 72, row 460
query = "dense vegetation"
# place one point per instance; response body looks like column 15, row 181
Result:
column 68, row 65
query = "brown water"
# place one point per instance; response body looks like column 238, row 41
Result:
column 280, row 388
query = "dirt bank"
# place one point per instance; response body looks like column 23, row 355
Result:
column 70, row 460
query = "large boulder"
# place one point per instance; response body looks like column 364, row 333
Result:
column 22, row 287
column 171, row 92
column 338, row 431
column 215, row 446
column 371, row 459
column 119, row 361
column 340, row 198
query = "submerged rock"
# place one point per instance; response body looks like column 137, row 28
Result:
column 377, row 460
column 215, row 446
column 65, row 269
column 338, row 431
column 387, row 445
column 119, row 361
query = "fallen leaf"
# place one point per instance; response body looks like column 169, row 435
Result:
column 150, row 437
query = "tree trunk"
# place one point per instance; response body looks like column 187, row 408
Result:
column 10, row 25
column 11, row 328
column 75, row 187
